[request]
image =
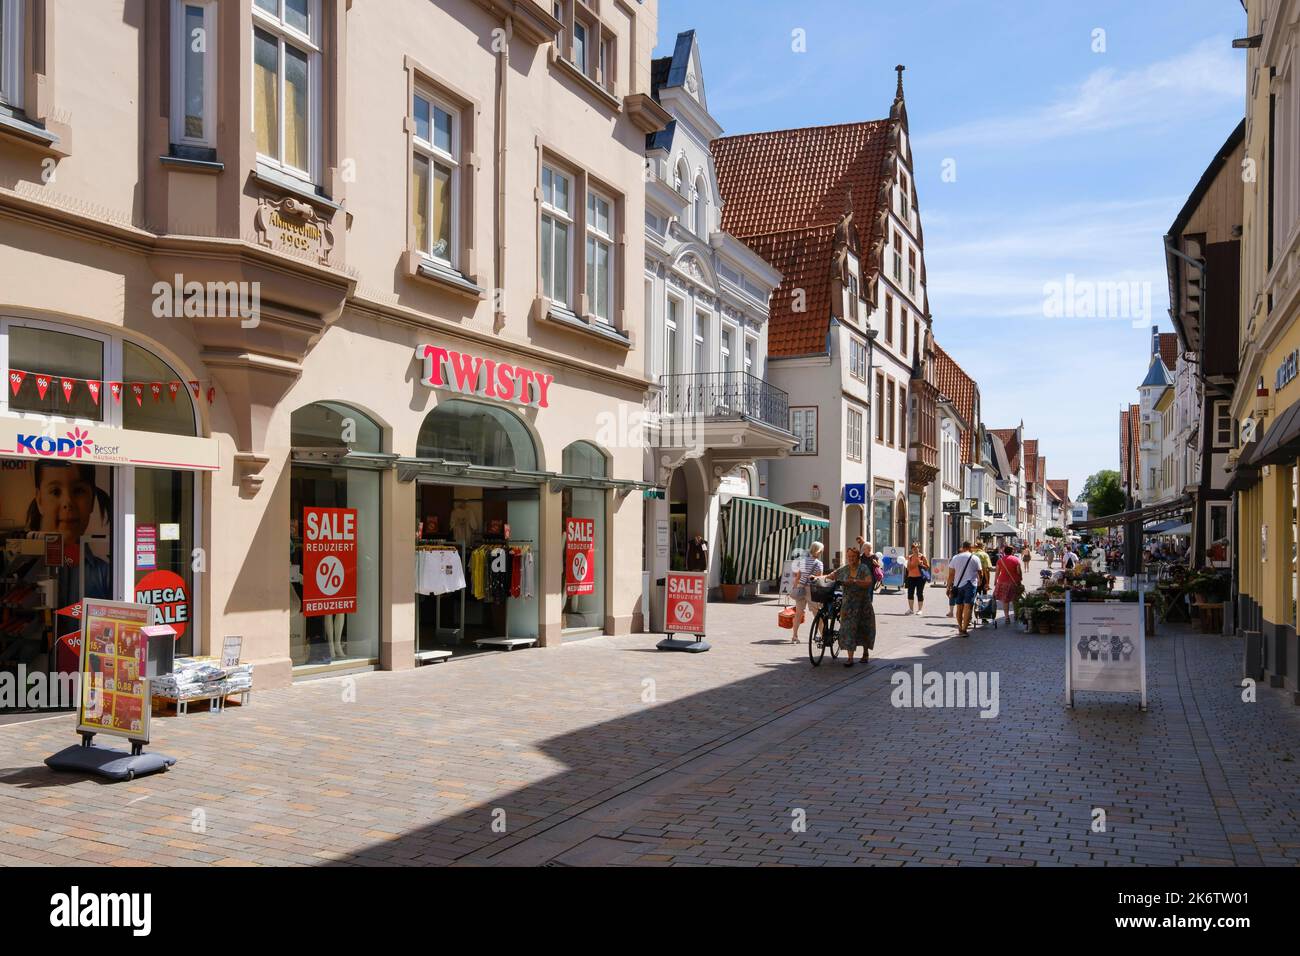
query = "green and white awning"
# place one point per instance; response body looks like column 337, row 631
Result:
column 761, row 535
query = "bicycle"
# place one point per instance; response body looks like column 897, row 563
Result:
column 823, row 632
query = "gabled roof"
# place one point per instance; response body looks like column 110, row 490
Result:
column 1010, row 439
column 1052, row 493
column 1031, row 459
column 784, row 192
column 1169, row 350
column 1157, row 375
column 1060, row 487
column 958, row 388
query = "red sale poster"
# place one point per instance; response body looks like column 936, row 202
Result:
column 580, row 556
column 684, row 606
column 329, row 561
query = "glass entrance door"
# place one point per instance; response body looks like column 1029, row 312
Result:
column 162, row 548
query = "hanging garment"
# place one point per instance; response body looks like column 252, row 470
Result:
column 516, row 568
column 527, row 575
column 478, row 573
column 438, row 572
column 498, row 575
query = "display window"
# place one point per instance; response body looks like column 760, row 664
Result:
column 334, row 539
column 585, row 513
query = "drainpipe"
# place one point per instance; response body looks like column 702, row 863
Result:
column 499, row 270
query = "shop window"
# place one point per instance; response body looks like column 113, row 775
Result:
column 41, row 359
column 589, row 506
column 331, row 638
column 479, row 434
column 171, row 411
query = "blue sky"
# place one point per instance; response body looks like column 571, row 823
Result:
column 1068, row 162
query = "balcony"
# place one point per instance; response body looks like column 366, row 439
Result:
column 731, row 411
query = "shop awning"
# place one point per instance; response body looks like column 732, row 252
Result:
column 1179, row 506
column 1183, row 531
column 1245, row 474
column 1162, row 527
column 1281, row 442
column 999, row 527
column 761, row 534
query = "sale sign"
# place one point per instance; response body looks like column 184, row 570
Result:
column 580, row 556
column 165, row 590
column 684, row 605
column 329, row 572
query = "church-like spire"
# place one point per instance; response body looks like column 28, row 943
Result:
column 898, row 95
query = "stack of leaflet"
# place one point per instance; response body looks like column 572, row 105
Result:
column 200, row 677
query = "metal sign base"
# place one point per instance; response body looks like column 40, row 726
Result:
column 109, row 762
column 697, row 646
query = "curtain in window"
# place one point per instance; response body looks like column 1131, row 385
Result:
column 266, row 113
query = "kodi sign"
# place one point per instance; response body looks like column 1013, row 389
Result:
column 473, row 375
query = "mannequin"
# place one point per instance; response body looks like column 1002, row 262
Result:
column 334, row 624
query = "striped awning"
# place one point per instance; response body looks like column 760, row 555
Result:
column 762, row 535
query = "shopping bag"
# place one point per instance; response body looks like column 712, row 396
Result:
column 786, row 617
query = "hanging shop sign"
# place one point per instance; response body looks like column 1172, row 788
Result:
column 1286, row 372
column 166, row 591
column 855, row 494
column 684, row 607
column 114, row 658
column 486, row 378
column 96, row 444
column 580, row 556
column 1105, row 645
column 329, row 561
column 952, row 507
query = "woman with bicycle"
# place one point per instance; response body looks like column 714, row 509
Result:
column 858, row 616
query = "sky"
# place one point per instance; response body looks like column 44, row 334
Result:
column 1053, row 143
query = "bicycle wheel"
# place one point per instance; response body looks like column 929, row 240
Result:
column 834, row 641
column 816, row 646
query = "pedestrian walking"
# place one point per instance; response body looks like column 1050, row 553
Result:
column 1010, row 586
column 806, row 570
column 986, row 567
column 918, row 576
column 964, row 572
column 858, row 613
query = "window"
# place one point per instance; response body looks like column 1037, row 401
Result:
column 600, row 256
column 898, row 257
column 858, row 360
column 726, row 348
column 580, row 46
column 916, row 335
column 853, row 297
column 194, row 73
column 880, row 408
column 435, row 171
column 902, row 331
column 286, row 84
column 701, row 343
column 585, row 460
column 853, row 435
column 889, row 318
column 12, row 66
column 751, row 354
column 889, row 414
column 911, row 272
column 902, row 416
column 557, row 223
column 1222, row 425
column 701, row 210
column 803, row 425
column 905, row 190
column 670, row 344
column 608, row 64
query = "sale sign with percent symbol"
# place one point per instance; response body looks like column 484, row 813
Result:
column 580, row 556
column 329, row 573
column 684, row 607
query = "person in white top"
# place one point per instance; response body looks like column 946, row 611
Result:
column 963, row 579
column 808, row 568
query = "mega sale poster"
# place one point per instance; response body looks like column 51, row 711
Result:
column 114, row 661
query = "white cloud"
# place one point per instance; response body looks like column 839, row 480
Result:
column 1155, row 95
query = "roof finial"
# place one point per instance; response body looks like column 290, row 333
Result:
column 900, row 68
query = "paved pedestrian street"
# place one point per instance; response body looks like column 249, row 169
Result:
column 607, row 751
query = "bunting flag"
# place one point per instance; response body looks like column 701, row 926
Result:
column 155, row 389
column 172, row 389
column 116, row 389
column 212, row 394
column 42, row 384
column 194, row 387
column 137, row 389
column 16, row 380
column 67, row 384
column 93, row 387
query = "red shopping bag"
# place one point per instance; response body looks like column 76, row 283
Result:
column 785, row 617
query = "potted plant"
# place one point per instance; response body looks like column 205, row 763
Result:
column 1047, row 618
column 730, row 589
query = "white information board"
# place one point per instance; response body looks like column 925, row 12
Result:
column 1105, row 647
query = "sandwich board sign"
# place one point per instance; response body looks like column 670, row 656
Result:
column 1105, row 647
column 685, row 594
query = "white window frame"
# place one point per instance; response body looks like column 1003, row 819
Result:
column 582, row 63
column 803, row 425
column 594, row 235
column 304, row 43
column 750, row 357
column 1222, row 418
column 13, row 67
column 853, row 433
column 727, row 351
column 433, row 154
column 701, row 210
column 857, row 359
column 700, row 341
column 179, row 51
column 550, row 210
column 672, row 333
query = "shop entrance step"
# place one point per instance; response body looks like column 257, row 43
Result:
column 509, row 643
column 431, row 657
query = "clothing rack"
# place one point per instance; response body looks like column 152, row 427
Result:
column 452, row 635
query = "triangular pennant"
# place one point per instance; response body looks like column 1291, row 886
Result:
column 155, row 389
column 72, row 610
column 93, row 387
column 137, row 389
column 116, row 389
column 212, row 394
column 67, row 384
column 173, row 388
column 42, row 384
column 16, row 380
column 194, row 387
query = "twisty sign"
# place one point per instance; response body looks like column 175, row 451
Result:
column 472, row 375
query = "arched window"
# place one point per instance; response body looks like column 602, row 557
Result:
column 701, row 209
column 484, row 435
column 683, row 183
column 333, row 425
column 585, row 460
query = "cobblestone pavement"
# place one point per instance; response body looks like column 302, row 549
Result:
column 609, row 752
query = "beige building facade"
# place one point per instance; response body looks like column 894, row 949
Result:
column 273, row 263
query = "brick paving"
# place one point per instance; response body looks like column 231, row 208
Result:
column 609, row 752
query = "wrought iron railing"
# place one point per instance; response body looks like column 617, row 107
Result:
column 723, row 395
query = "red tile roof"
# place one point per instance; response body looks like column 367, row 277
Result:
column 784, row 192
column 1011, row 442
column 958, row 388
column 1135, row 446
column 1031, row 459
column 1169, row 350
column 1061, row 486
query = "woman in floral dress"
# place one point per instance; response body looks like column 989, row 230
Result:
column 858, row 615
